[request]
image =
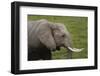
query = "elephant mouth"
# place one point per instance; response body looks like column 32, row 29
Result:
column 58, row 48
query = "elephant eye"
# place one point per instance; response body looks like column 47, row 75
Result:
column 63, row 35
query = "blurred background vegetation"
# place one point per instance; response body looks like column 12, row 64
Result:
column 77, row 26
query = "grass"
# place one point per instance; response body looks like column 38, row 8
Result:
column 77, row 26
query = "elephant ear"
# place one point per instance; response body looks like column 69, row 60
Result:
column 45, row 36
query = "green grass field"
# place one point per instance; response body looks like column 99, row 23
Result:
column 77, row 26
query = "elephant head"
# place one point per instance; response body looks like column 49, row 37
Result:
column 55, row 35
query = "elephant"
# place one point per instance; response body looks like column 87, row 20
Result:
column 45, row 36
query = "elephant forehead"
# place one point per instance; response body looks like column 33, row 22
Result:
column 59, row 32
column 60, row 26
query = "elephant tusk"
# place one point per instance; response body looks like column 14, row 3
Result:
column 75, row 49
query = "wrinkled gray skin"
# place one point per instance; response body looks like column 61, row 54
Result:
column 44, row 37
